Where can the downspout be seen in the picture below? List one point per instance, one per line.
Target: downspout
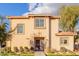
(49, 34)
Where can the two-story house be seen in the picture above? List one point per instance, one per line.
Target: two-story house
(40, 32)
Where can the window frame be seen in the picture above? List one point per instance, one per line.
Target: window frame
(38, 27)
(62, 40)
(23, 28)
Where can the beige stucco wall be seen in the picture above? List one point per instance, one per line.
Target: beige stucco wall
(19, 39)
(54, 30)
(44, 32)
(30, 32)
(69, 45)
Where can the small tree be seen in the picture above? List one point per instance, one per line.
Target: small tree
(3, 34)
(69, 16)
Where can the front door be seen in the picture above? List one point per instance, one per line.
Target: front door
(39, 44)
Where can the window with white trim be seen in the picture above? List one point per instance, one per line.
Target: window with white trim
(39, 22)
(20, 28)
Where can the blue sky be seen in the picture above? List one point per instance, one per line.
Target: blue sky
(13, 9)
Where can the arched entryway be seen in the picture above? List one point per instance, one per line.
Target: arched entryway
(39, 43)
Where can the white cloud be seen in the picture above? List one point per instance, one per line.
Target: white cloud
(40, 8)
(45, 8)
(32, 6)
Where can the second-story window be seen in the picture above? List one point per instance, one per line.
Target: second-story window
(20, 28)
(39, 22)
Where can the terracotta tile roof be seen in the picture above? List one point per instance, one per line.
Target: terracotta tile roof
(39, 15)
(66, 34)
(32, 15)
(54, 17)
(16, 17)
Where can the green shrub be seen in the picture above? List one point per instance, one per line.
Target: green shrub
(15, 54)
(16, 49)
(26, 49)
(63, 49)
(7, 49)
(8, 52)
(21, 49)
(53, 51)
(32, 48)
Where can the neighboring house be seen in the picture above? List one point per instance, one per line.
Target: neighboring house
(40, 32)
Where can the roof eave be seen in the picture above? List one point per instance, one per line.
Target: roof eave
(32, 15)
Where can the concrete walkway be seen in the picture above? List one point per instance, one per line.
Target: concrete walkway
(39, 53)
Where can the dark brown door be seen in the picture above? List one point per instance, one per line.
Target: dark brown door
(39, 44)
